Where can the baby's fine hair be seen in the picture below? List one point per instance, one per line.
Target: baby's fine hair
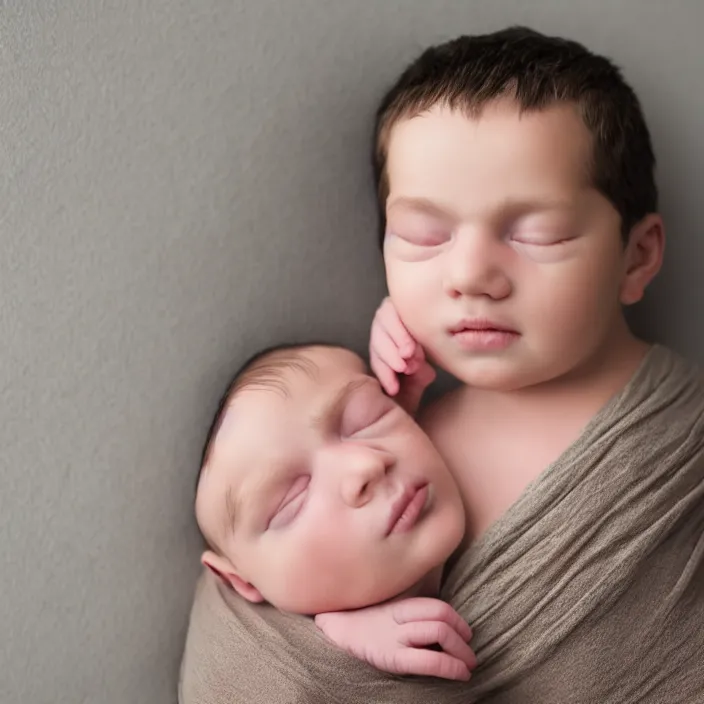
(264, 369)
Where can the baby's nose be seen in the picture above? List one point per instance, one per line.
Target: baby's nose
(363, 470)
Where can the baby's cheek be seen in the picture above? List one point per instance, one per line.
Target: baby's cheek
(288, 579)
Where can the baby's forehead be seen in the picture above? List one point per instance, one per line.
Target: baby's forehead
(262, 425)
(287, 386)
(300, 372)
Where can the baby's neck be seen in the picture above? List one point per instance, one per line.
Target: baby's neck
(429, 586)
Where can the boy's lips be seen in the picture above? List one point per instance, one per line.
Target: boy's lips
(483, 335)
(407, 508)
(480, 325)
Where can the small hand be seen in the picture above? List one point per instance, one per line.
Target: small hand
(395, 637)
(392, 353)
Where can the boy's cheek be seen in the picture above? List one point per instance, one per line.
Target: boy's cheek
(410, 284)
(400, 251)
(409, 306)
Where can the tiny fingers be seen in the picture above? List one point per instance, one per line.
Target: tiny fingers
(429, 663)
(388, 318)
(384, 373)
(428, 609)
(386, 349)
(425, 633)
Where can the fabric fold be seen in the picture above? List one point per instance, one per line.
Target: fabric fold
(589, 589)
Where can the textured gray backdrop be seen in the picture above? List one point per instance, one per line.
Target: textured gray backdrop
(182, 182)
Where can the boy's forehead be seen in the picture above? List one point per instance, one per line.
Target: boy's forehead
(501, 147)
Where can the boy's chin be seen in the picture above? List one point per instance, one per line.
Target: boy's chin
(494, 375)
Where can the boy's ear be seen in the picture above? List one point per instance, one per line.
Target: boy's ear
(644, 255)
(222, 568)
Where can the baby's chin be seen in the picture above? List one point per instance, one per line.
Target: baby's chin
(307, 604)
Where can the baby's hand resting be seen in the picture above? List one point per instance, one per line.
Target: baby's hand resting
(395, 636)
(393, 352)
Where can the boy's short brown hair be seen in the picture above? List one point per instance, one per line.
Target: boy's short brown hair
(537, 71)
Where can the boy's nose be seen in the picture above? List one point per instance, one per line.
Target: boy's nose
(362, 469)
(474, 268)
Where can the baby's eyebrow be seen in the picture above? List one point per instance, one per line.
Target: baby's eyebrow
(231, 510)
(235, 511)
(334, 407)
(244, 505)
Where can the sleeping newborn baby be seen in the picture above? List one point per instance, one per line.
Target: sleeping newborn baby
(320, 495)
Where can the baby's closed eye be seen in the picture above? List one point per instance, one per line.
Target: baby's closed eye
(291, 504)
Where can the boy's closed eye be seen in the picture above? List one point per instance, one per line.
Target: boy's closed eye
(421, 236)
(541, 238)
(419, 226)
(542, 229)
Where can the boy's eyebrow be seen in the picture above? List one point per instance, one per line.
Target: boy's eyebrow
(334, 407)
(537, 203)
(508, 205)
(416, 203)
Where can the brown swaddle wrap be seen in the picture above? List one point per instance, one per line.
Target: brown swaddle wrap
(589, 589)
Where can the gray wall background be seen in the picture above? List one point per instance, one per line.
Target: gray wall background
(183, 182)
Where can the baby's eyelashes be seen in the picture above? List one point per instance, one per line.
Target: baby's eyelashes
(291, 504)
(364, 411)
